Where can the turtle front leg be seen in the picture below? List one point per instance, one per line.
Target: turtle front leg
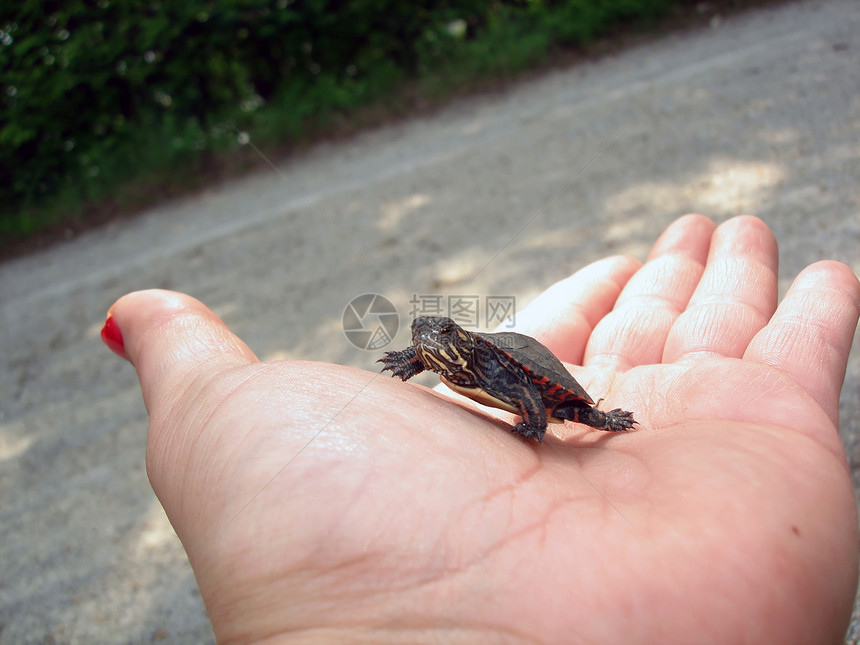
(616, 420)
(405, 364)
(533, 412)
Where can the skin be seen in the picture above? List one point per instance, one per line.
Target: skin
(320, 503)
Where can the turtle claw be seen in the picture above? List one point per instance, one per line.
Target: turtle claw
(392, 366)
(618, 420)
(528, 432)
(403, 364)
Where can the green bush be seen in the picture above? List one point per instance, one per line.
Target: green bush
(95, 93)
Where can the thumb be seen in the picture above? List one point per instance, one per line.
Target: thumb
(171, 339)
(187, 361)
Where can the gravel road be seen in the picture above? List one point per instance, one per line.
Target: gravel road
(498, 195)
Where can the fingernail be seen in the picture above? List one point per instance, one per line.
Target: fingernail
(112, 337)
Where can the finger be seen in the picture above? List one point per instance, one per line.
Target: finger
(687, 237)
(809, 337)
(735, 297)
(173, 339)
(636, 330)
(563, 316)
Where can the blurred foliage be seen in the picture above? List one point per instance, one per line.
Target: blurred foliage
(96, 93)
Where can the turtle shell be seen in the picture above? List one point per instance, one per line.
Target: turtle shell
(553, 381)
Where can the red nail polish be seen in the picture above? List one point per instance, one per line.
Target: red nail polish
(112, 337)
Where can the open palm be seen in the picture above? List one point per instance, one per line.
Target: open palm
(323, 503)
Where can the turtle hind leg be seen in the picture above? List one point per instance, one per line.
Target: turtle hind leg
(616, 420)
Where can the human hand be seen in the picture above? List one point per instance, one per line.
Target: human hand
(323, 503)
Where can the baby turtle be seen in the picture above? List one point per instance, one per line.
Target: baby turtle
(505, 370)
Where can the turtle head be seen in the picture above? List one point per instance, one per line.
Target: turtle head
(441, 344)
